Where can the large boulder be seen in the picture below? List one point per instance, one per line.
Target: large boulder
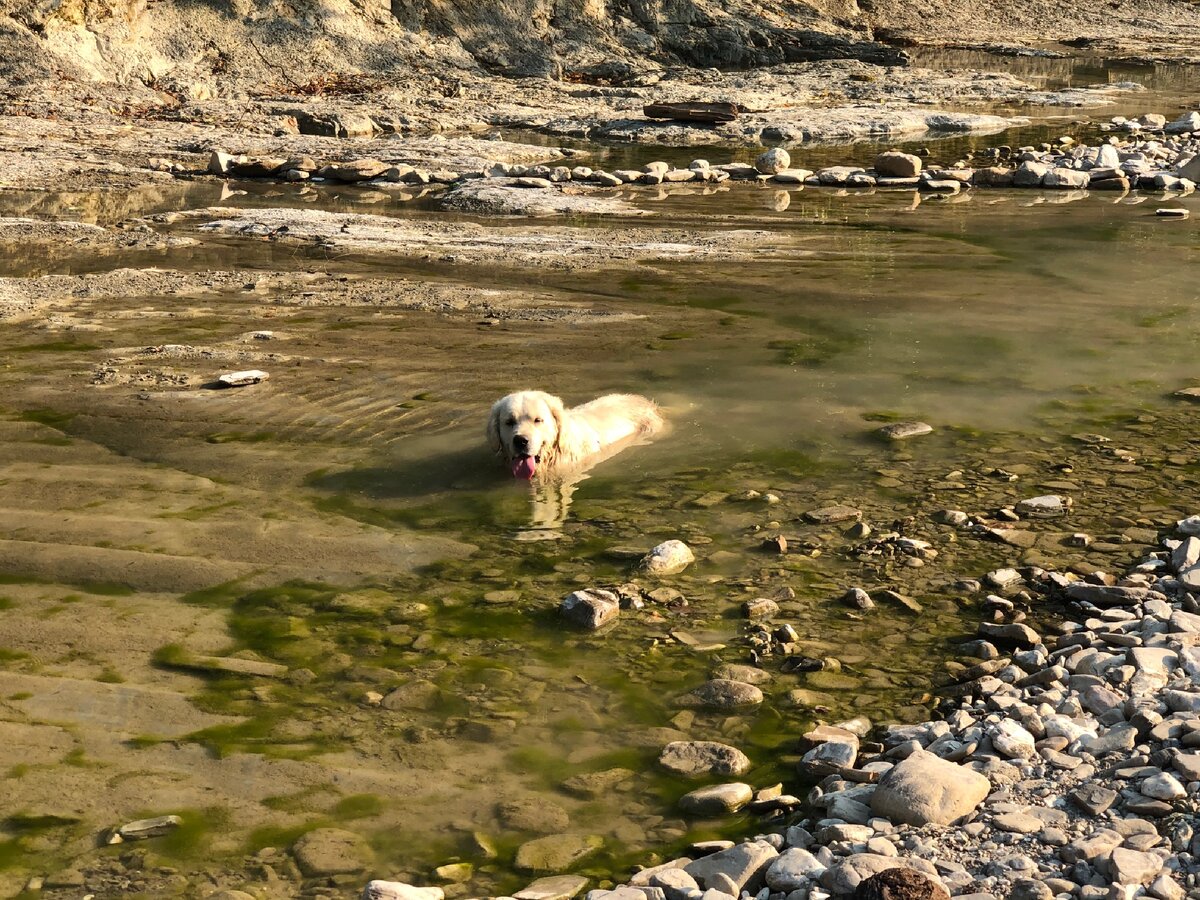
(925, 789)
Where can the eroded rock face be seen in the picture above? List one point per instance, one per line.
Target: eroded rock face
(531, 38)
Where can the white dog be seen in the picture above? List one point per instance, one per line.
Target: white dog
(535, 434)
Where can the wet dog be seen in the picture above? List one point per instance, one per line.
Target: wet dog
(537, 437)
(535, 434)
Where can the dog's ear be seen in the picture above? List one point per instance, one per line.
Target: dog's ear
(556, 409)
(493, 427)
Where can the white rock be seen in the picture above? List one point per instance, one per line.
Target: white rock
(590, 609)
(773, 161)
(398, 890)
(793, 869)
(241, 379)
(1012, 740)
(1163, 786)
(668, 558)
(1049, 506)
(1189, 121)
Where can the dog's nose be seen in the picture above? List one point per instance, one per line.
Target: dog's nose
(520, 442)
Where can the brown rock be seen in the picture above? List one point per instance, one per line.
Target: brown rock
(900, 884)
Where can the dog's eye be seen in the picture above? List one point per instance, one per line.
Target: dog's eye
(537, 421)
(511, 422)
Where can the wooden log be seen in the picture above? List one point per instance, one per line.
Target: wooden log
(692, 112)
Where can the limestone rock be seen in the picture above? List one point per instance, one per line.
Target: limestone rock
(745, 865)
(555, 853)
(668, 558)
(241, 379)
(894, 164)
(331, 851)
(723, 694)
(697, 758)
(1134, 867)
(719, 799)
(554, 887)
(899, 431)
(844, 878)
(398, 890)
(793, 869)
(773, 161)
(924, 789)
(590, 609)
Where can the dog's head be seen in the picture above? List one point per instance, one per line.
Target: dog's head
(524, 428)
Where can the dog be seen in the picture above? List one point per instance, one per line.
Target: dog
(535, 434)
(540, 439)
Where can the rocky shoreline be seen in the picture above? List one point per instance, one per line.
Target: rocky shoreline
(1062, 765)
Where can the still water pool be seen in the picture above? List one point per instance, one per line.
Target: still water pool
(341, 534)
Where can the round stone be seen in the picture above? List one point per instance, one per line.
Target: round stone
(773, 161)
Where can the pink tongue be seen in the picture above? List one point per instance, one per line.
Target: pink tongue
(524, 467)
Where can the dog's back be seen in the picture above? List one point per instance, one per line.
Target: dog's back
(616, 417)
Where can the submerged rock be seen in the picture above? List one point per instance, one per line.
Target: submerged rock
(899, 431)
(555, 853)
(668, 558)
(697, 758)
(590, 609)
(716, 800)
(332, 851)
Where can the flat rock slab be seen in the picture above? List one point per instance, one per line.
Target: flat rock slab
(332, 851)
(398, 890)
(555, 887)
(723, 694)
(532, 197)
(719, 799)
(829, 515)
(148, 828)
(555, 853)
(745, 865)
(697, 758)
(242, 379)
(899, 431)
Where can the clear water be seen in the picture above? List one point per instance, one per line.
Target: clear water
(344, 519)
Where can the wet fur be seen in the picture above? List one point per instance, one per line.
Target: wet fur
(570, 439)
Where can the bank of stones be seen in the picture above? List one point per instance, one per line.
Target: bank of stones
(1062, 765)
(1146, 153)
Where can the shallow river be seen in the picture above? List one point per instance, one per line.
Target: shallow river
(345, 522)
